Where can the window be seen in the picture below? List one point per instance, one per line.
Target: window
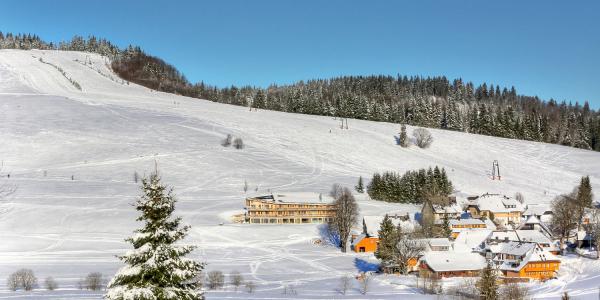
(361, 249)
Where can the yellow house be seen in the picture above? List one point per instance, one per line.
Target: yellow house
(525, 260)
(499, 208)
(290, 208)
(465, 224)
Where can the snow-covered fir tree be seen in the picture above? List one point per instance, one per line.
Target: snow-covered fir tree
(157, 267)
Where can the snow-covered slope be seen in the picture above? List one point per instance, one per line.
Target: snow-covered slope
(73, 153)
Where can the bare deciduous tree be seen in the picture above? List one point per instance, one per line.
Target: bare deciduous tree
(236, 279)
(238, 143)
(423, 137)
(562, 219)
(250, 286)
(513, 291)
(50, 284)
(289, 290)
(94, 281)
(22, 279)
(346, 214)
(216, 280)
(407, 249)
(12, 282)
(519, 197)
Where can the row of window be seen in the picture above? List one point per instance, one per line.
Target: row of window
(288, 220)
(290, 213)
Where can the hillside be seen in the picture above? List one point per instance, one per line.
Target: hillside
(72, 155)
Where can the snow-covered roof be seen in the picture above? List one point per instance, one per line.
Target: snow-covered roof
(512, 248)
(535, 224)
(435, 242)
(448, 209)
(532, 220)
(533, 236)
(471, 239)
(471, 221)
(497, 203)
(297, 197)
(441, 261)
(490, 224)
(533, 254)
(358, 239)
(537, 210)
(372, 224)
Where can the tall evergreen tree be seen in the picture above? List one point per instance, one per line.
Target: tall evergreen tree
(360, 186)
(388, 238)
(446, 226)
(403, 138)
(584, 198)
(157, 267)
(487, 284)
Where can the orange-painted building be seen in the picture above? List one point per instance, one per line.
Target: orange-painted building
(369, 239)
(525, 260)
(365, 244)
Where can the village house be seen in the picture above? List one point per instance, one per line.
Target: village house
(541, 211)
(524, 261)
(452, 264)
(441, 212)
(290, 208)
(533, 236)
(501, 209)
(460, 225)
(534, 223)
(429, 245)
(369, 238)
(471, 240)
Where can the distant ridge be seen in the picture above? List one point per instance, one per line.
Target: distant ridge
(434, 102)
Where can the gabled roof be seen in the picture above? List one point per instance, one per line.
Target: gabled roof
(497, 203)
(434, 242)
(537, 210)
(534, 236)
(358, 239)
(448, 209)
(442, 261)
(512, 248)
(534, 221)
(471, 240)
(534, 254)
(466, 222)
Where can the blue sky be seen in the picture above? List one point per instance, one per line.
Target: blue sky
(544, 48)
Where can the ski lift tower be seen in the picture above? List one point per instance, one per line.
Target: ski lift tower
(496, 170)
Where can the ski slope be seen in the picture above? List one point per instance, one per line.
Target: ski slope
(72, 155)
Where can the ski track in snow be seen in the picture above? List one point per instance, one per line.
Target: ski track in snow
(67, 228)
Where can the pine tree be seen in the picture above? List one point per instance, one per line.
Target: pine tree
(446, 226)
(403, 139)
(584, 198)
(360, 186)
(156, 268)
(488, 287)
(388, 238)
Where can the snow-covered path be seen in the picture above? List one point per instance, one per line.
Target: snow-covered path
(72, 154)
